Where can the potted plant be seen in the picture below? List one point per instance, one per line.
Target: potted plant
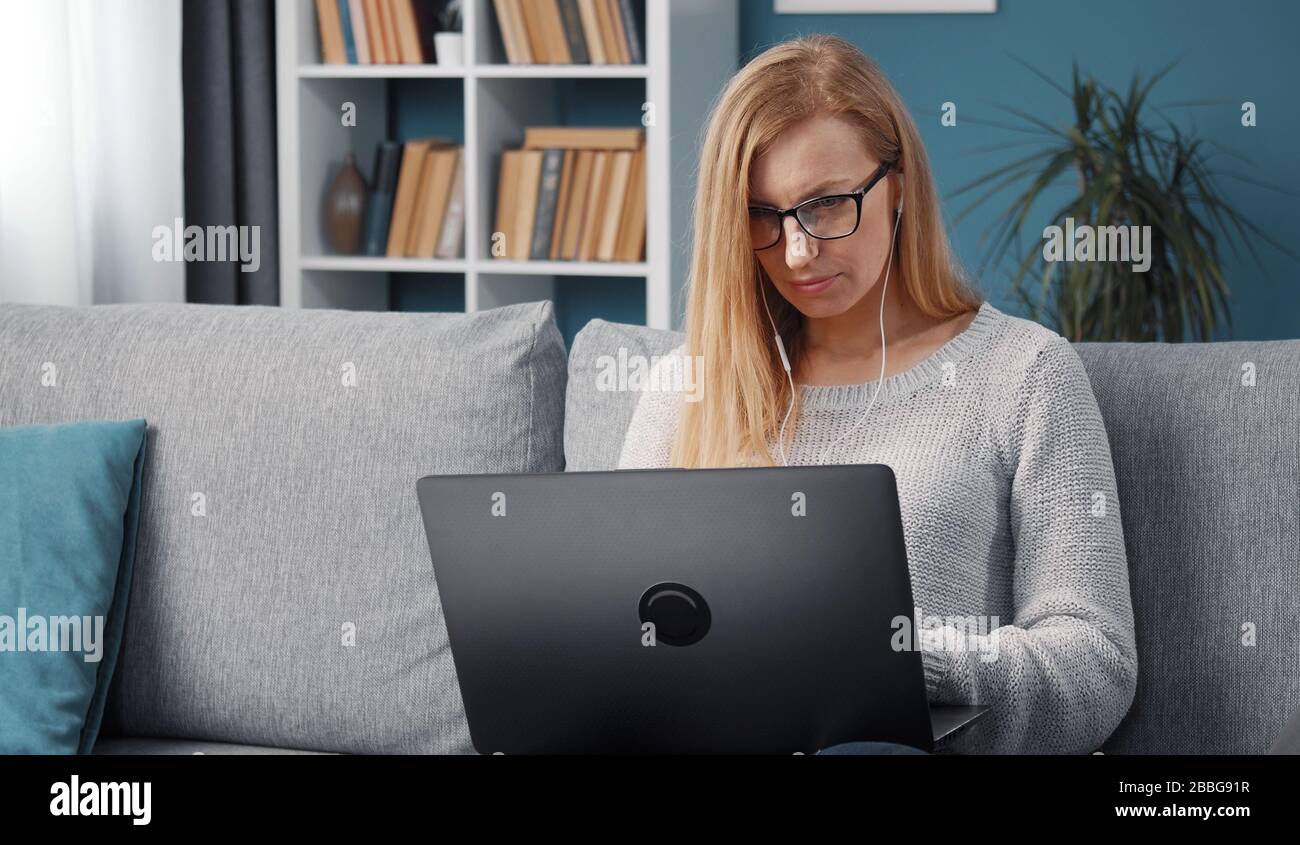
(449, 41)
(1153, 183)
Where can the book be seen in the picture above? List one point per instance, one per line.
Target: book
(360, 31)
(349, 41)
(379, 210)
(557, 46)
(562, 204)
(332, 48)
(509, 38)
(408, 189)
(547, 198)
(439, 169)
(620, 170)
(388, 34)
(593, 214)
(530, 180)
(374, 32)
(591, 31)
(604, 12)
(530, 15)
(420, 204)
(516, 8)
(507, 189)
(620, 36)
(631, 235)
(578, 197)
(632, 34)
(573, 34)
(584, 138)
(408, 32)
(453, 227)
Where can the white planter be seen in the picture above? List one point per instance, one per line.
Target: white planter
(449, 47)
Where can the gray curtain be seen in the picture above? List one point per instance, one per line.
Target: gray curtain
(228, 88)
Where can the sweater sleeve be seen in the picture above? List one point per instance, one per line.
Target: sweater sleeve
(648, 442)
(1062, 674)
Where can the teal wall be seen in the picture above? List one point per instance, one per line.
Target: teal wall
(1230, 51)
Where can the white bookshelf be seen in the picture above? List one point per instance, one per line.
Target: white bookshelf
(690, 51)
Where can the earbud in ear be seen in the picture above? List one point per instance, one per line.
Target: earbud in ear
(899, 210)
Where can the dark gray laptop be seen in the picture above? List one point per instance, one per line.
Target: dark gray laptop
(743, 610)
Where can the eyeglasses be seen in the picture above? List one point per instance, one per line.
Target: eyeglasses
(824, 218)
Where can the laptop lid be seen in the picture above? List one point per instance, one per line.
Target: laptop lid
(677, 611)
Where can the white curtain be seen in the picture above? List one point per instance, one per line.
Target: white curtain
(90, 149)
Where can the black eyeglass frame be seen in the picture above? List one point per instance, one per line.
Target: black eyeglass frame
(855, 195)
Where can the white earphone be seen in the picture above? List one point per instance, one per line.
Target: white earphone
(785, 359)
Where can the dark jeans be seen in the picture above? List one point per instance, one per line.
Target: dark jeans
(871, 748)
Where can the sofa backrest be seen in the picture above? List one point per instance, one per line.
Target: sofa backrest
(283, 593)
(1208, 472)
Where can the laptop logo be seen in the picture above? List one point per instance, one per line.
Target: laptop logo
(673, 614)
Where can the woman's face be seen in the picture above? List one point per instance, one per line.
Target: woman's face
(824, 155)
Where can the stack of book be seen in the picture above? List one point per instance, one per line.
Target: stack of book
(564, 32)
(573, 194)
(417, 206)
(376, 32)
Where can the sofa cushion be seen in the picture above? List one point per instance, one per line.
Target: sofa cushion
(283, 593)
(69, 516)
(596, 419)
(1208, 472)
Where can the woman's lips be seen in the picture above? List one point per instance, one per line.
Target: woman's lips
(815, 285)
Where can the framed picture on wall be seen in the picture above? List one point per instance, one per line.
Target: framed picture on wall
(805, 7)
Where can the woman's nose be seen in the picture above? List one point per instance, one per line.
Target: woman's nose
(799, 248)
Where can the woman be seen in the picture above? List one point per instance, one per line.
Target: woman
(834, 327)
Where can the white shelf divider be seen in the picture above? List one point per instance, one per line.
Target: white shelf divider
(690, 51)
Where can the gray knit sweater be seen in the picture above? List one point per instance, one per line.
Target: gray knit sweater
(1009, 509)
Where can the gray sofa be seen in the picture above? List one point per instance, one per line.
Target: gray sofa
(283, 597)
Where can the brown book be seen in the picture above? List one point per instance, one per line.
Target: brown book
(333, 50)
(615, 196)
(515, 7)
(387, 33)
(620, 33)
(562, 204)
(439, 167)
(408, 190)
(530, 12)
(557, 45)
(594, 214)
(373, 33)
(418, 205)
(507, 191)
(508, 37)
(408, 32)
(530, 182)
(631, 234)
(584, 138)
(576, 212)
(591, 32)
(604, 10)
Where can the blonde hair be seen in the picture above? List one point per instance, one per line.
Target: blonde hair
(745, 391)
